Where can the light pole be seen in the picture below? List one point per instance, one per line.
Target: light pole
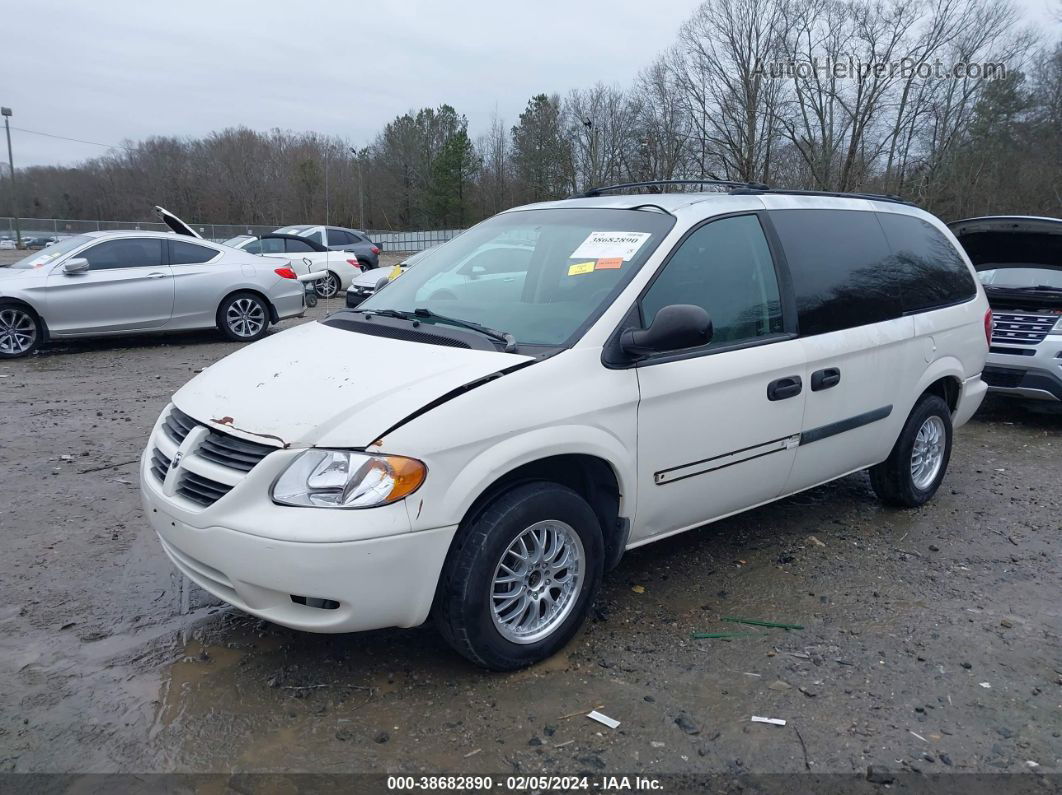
(11, 164)
(361, 195)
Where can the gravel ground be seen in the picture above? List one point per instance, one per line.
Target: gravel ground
(931, 638)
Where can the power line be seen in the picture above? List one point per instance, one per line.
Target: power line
(75, 140)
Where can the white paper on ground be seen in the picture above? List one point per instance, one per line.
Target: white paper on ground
(772, 721)
(610, 722)
(607, 245)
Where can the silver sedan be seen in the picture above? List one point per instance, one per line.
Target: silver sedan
(110, 283)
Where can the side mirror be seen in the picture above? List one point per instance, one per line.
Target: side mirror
(76, 265)
(381, 283)
(675, 327)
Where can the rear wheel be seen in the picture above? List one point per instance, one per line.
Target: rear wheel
(915, 468)
(521, 577)
(328, 287)
(243, 317)
(20, 330)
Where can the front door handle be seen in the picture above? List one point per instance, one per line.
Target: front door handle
(156, 275)
(783, 388)
(824, 379)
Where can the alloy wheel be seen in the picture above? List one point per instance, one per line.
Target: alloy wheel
(927, 453)
(245, 317)
(536, 583)
(327, 287)
(18, 331)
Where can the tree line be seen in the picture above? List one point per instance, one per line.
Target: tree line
(833, 95)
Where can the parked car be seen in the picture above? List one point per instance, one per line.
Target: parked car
(7, 244)
(39, 241)
(108, 283)
(341, 266)
(337, 238)
(484, 457)
(1019, 261)
(364, 285)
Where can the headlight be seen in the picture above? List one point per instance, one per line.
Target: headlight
(1057, 327)
(344, 479)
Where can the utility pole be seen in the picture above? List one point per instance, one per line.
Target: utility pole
(11, 164)
(361, 190)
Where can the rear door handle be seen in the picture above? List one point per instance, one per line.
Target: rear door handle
(156, 275)
(783, 388)
(824, 379)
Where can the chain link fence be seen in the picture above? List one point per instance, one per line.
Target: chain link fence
(45, 229)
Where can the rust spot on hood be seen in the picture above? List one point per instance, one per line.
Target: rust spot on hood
(229, 421)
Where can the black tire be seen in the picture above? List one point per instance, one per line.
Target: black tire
(17, 323)
(328, 287)
(893, 480)
(463, 611)
(366, 265)
(257, 308)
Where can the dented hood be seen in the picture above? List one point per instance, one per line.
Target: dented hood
(319, 385)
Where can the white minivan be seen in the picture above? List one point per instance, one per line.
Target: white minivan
(660, 361)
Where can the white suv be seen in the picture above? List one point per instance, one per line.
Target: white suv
(486, 453)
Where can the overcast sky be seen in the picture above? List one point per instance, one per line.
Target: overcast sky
(126, 69)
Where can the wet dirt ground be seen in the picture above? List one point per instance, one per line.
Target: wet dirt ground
(931, 640)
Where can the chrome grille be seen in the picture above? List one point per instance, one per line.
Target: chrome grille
(1020, 328)
(232, 452)
(159, 464)
(201, 490)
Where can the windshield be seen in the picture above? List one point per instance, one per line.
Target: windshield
(41, 258)
(1022, 277)
(536, 274)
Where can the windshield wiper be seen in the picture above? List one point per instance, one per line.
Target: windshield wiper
(421, 312)
(1035, 288)
(501, 336)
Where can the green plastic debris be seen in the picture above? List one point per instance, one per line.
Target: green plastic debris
(704, 635)
(756, 623)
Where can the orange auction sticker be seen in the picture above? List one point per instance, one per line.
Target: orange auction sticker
(609, 263)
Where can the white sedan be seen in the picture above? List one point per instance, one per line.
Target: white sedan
(342, 266)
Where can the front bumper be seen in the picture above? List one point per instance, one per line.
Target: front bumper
(1036, 377)
(246, 550)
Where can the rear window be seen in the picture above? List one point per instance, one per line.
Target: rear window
(841, 269)
(928, 269)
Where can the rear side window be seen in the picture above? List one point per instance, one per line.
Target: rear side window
(725, 267)
(337, 237)
(271, 245)
(841, 268)
(144, 252)
(297, 246)
(929, 270)
(182, 253)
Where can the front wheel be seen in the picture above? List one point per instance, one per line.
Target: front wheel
(328, 287)
(20, 331)
(915, 468)
(243, 317)
(521, 577)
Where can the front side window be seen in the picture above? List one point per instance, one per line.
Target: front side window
(726, 268)
(842, 269)
(182, 253)
(540, 275)
(929, 270)
(143, 252)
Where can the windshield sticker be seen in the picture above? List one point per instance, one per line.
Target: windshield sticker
(581, 267)
(609, 263)
(610, 245)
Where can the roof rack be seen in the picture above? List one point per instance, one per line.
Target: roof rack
(726, 183)
(748, 189)
(878, 197)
